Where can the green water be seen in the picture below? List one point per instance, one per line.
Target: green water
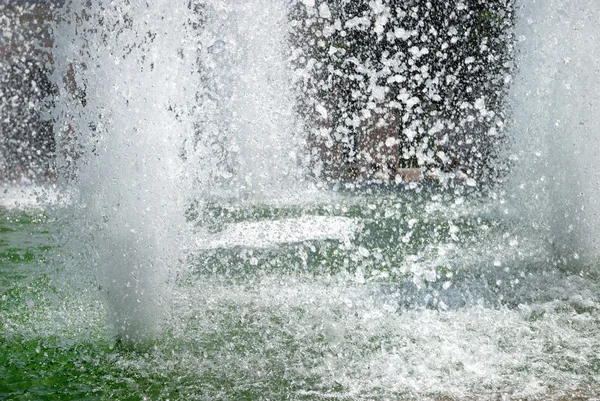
(440, 297)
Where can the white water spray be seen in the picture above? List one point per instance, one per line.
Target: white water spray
(249, 137)
(556, 107)
(281, 333)
(126, 72)
(157, 98)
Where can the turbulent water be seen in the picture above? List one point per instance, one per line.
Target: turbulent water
(248, 138)
(185, 258)
(122, 122)
(555, 102)
(430, 295)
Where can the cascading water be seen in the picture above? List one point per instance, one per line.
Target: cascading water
(147, 133)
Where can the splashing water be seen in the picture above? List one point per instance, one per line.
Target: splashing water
(128, 84)
(178, 134)
(248, 137)
(163, 108)
(557, 133)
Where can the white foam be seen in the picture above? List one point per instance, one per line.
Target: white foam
(16, 197)
(273, 233)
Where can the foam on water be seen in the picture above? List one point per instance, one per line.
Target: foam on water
(29, 197)
(506, 323)
(270, 233)
(337, 335)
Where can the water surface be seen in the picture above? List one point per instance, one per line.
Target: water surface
(428, 295)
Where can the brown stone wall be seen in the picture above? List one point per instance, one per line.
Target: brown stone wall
(378, 149)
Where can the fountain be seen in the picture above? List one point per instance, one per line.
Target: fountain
(122, 119)
(247, 135)
(223, 231)
(554, 106)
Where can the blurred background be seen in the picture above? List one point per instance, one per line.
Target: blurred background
(26, 133)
